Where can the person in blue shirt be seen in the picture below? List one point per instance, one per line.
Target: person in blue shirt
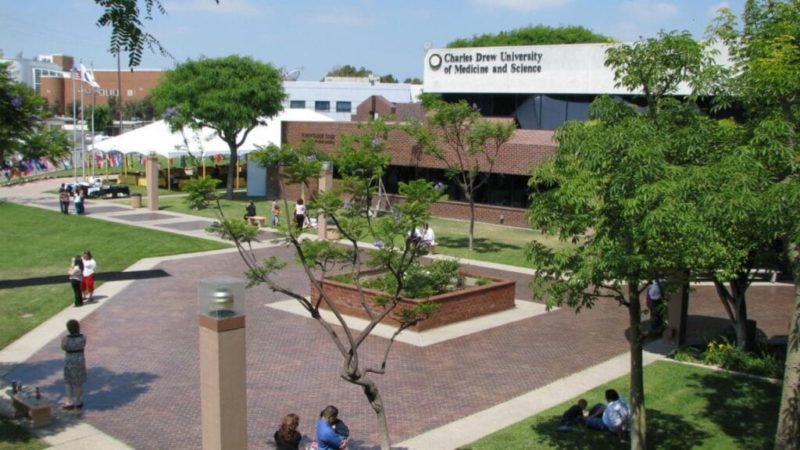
(332, 433)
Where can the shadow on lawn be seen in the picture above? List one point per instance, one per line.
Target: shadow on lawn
(744, 408)
(664, 431)
(481, 245)
(101, 276)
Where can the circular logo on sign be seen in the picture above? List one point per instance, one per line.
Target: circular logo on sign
(435, 61)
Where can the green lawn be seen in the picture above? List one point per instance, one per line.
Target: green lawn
(687, 407)
(39, 244)
(493, 243)
(13, 437)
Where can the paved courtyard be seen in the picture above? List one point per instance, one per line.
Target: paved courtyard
(143, 356)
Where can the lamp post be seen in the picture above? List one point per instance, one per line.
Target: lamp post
(325, 184)
(223, 393)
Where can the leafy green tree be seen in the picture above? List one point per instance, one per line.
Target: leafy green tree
(102, 119)
(766, 79)
(466, 143)
(361, 159)
(230, 95)
(349, 71)
(616, 188)
(412, 81)
(139, 109)
(23, 130)
(388, 79)
(533, 35)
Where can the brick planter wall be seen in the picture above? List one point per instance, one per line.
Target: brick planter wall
(454, 306)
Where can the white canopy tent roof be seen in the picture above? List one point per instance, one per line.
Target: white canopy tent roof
(159, 139)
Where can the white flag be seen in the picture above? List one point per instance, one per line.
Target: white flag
(88, 76)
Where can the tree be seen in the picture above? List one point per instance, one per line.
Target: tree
(766, 80)
(230, 95)
(360, 160)
(139, 109)
(466, 143)
(349, 71)
(412, 81)
(533, 35)
(23, 130)
(616, 190)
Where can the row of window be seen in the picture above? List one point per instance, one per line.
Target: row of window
(322, 106)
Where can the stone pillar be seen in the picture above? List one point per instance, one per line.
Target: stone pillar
(151, 175)
(325, 184)
(223, 383)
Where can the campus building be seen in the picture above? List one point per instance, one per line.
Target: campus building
(539, 88)
(334, 97)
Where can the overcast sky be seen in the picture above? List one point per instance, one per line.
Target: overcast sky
(386, 36)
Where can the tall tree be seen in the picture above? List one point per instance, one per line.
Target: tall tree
(462, 140)
(611, 190)
(766, 80)
(360, 160)
(230, 95)
(533, 35)
(23, 130)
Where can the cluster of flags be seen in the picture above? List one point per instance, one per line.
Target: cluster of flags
(81, 73)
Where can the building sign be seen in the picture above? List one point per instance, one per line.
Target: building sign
(459, 62)
(525, 69)
(319, 138)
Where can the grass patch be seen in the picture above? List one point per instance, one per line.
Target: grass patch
(493, 243)
(38, 245)
(14, 437)
(686, 407)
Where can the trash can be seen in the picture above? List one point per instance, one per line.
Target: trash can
(136, 200)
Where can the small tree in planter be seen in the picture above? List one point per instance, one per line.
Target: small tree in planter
(361, 161)
(200, 191)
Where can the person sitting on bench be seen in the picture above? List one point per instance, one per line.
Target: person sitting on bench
(250, 210)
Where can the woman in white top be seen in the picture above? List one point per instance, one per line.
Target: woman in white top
(89, 266)
(300, 213)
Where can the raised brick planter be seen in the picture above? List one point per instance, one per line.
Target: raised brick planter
(456, 306)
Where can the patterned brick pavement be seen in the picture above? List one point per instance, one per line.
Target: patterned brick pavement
(143, 376)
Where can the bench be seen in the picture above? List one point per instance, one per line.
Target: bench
(258, 221)
(39, 410)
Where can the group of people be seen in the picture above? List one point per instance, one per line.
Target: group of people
(250, 211)
(81, 277)
(67, 196)
(332, 433)
(613, 416)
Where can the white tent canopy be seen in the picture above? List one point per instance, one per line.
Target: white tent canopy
(159, 139)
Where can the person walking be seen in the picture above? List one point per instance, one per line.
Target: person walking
(75, 274)
(78, 200)
(89, 266)
(300, 214)
(73, 345)
(64, 200)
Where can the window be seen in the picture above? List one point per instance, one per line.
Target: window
(297, 104)
(322, 106)
(130, 92)
(343, 107)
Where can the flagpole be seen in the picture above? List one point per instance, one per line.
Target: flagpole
(93, 162)
(74, 128)
(83, 130)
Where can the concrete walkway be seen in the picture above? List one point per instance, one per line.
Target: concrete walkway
(443, 359)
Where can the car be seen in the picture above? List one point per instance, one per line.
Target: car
(95, 188)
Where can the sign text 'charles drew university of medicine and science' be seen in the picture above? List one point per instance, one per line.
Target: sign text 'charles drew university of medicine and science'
(489, 61)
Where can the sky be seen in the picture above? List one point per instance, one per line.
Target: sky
(385, 36)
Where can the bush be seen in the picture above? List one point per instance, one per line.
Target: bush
(201, 191)
(419, 282)
(730, 357)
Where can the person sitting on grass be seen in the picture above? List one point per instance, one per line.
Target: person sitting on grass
(573, 416)
(614, 416)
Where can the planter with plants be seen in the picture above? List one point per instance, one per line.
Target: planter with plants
(458, 295)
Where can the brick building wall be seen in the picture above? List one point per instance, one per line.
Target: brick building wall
(135, 87)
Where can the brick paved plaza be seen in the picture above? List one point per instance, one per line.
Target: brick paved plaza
(143, 356)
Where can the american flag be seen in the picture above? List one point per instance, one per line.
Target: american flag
(76, 74)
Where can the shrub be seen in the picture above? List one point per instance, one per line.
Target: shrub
(200, 191)
(730, 357)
